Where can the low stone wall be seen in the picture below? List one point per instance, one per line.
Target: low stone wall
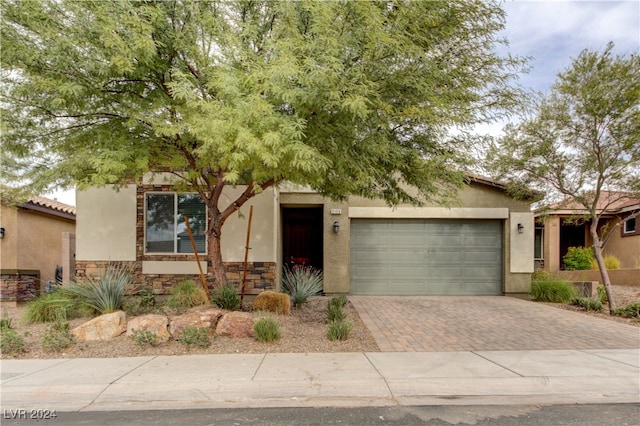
(617, 276)
(18, 287)
(260, 276)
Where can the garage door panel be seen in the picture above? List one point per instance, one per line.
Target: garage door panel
(429, 257)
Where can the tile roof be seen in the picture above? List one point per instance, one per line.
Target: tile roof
(50, 204)
(609, 201)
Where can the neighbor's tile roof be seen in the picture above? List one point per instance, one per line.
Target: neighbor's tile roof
(610, 201)
(50, 204)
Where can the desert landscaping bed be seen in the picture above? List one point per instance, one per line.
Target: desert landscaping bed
(303, 331)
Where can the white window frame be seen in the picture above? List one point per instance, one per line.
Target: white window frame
(635, 226)
(175, 225)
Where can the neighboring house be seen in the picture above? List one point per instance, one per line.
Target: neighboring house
(482, 246)
(35, 238)
(561, 226)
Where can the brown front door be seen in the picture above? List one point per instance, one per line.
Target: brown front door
(302, 236)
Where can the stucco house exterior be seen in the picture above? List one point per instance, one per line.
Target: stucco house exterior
(559, 227)
(483, 246)
(35, 238)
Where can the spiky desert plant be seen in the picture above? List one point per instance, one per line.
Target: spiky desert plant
(301, 282)
(106, 293)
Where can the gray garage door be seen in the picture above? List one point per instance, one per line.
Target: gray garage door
(426, 257)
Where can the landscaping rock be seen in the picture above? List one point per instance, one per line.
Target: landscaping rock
(104, 327)
(157, 324)
(236, 324)
(202, 318)
(272, 301)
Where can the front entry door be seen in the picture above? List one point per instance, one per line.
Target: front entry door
(302, 236)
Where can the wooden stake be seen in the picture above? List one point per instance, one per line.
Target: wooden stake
(246, 254)
(195, 251)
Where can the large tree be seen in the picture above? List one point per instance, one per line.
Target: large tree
(582, 142)
(348, 97)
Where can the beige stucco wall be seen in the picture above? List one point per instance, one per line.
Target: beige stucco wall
(33, 241)
(106, 223)
(626, 249)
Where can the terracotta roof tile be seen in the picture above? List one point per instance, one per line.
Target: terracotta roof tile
(52, 204)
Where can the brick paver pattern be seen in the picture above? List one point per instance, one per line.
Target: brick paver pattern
(487, 323)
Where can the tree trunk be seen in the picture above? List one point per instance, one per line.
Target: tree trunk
(215, 253)
(604, 274)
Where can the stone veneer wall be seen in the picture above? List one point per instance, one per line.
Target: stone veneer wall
(260, 275)
(18, 287)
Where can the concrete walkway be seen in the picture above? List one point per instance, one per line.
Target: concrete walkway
(450, 323)
(322, 380)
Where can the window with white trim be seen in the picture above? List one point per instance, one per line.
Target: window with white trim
(630, 226)
(165, 227)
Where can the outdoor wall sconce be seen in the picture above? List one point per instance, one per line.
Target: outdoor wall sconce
(1, 233)
(520, 228)
(336, 227)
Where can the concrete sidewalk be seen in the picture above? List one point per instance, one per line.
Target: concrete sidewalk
(323, 380)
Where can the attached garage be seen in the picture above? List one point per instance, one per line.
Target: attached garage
(426, 257)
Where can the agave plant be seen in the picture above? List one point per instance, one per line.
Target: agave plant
(106, 293)
(301, 282)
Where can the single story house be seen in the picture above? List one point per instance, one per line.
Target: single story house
(561, 226)
(36, 239)
(482, 246)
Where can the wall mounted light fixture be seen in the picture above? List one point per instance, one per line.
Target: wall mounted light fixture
(336, 227)
(520, 228)
(1, 233)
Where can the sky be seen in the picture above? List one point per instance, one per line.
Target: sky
(552, 33)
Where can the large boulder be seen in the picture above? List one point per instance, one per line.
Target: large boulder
(156, 324)
(272, 301)
(104, 327)
(201, 318)
(236, 324)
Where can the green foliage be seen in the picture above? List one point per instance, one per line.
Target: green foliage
(186, 295)
(195, 336)
(339, 330)
(578, 258)
(301, 282)
(106, 293)
(340, 301)
(57, 336)
(602, 294)
(50, 307)
(11, 342)
(589, 303)
(226, 297)
(335, 312)
(5, 320)
(144, 337)
(632, 310)
(267, 329)
(552, 290)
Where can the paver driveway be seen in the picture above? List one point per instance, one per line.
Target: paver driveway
(468, 323)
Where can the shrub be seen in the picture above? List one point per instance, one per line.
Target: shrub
(272, 301)
(610, 262)
(186, 295)
(106, 293)
(335, 312)
(50, 307)
(267, 329)
(340, 301)
(11, 342)
(142, 303)
(57, 336)
(5, 321)
(554, 290)
(144, 337)
(301, 282)
(632, 310)
(339, 330)
(226, 297)
(195, 336)
(578, 258)
(588, 303)
(602, 294)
